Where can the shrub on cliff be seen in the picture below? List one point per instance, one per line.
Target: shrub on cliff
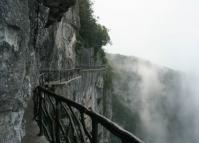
(92, 34)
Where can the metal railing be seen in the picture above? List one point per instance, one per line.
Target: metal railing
(47, 76)
(64, 121)
(84, 67)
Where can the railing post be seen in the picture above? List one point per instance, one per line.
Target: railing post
(48, 76)
(57, 119)
(67, 76)
(36, 102)
(43, 79)
(60, 76)
(40, 116)
(94, 131)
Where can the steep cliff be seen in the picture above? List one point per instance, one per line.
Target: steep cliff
(151, 101)
(34, 36)
(15, 54)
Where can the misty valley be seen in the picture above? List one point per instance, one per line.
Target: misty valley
(155, 103)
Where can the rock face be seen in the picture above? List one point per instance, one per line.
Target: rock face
(15, 85)
(153, 102)
(26, 47)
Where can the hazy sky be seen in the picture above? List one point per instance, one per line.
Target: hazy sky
(163, 31)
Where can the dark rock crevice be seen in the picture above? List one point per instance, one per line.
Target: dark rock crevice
(56, 9)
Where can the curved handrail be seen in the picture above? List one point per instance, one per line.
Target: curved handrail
(123, 135)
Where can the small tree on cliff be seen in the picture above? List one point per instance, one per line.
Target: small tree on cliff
(92, 34)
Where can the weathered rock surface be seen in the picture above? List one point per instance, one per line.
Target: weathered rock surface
(54, 49)
(26, 47)
(15, 85)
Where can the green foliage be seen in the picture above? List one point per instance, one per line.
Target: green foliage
(92, 34)
(124, 116)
